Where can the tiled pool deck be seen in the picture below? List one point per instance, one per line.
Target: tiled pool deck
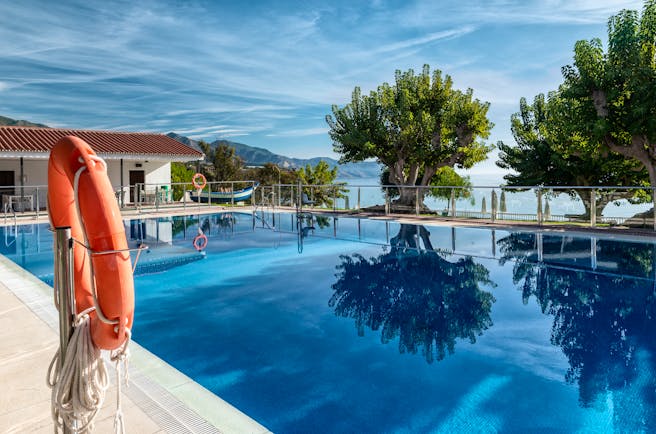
(159, 399)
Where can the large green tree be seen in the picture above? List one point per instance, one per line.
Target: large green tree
(610, 97)
(181, 174)
(225, 165)
(322, 179)
(413, 127)
(544, 156)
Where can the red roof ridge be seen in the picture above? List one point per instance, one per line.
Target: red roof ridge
(28, 127)
(19, 138)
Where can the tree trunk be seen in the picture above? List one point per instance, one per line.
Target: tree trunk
(600, 203)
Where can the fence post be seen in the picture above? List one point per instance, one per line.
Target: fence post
(493, 211)
(539, 210)
(64, 290)
(38, 205)
(387, 201)
(157, 198)
(359, 201)
(593, 207)
(416, 200)
(453, 202)
(653, 201)
(334, 199)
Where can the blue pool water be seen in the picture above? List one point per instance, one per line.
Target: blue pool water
(373, 326)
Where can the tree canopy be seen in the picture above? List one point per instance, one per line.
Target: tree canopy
(413, 127)
(225, 164)
(321, 174)
(543, 155)
(608, 99)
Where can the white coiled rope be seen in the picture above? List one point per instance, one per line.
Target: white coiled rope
(78, 388)
(80, 385)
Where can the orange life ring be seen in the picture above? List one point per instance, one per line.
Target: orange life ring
(203, 181)
(200, 242)
(72, 161)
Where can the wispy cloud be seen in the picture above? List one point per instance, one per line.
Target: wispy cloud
(409, 43)
(209, 69)
(299, 133)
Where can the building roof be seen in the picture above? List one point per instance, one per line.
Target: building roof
(34, 142)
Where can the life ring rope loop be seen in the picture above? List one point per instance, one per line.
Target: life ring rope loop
(195, 181)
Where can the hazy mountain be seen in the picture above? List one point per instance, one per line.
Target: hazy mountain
(254, 156)
(5, 121)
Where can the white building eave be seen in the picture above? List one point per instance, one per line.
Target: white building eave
(107, 156)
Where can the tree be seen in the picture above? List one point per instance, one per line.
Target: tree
(270, 174)
(610, 98)
(321, 175)
(444, 177)
(225, 164)
(413, 127)
(180, 173)
(543, 155)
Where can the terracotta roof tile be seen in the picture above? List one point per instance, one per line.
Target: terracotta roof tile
(30, 139)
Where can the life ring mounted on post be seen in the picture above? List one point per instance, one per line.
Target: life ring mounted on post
(80, 196)
(199, 181)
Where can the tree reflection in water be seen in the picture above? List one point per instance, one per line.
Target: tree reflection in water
(604, 322)
(415, 294)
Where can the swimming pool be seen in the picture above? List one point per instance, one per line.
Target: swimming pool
(353, 325)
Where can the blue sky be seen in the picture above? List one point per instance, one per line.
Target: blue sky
(267, 73)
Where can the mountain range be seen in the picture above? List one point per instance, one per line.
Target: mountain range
(5, 121)
(254, 156)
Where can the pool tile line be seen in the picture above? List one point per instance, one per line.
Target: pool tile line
(171, 399)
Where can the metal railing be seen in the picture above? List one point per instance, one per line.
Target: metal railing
(597, 206)
(543, 205)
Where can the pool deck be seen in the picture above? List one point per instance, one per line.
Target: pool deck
(159, 399)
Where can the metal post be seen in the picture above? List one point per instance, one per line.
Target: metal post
(416, 200)
(453, 202)
(38, 205)
(539, 210)
(334, 199)
(157, 198)
(299, 196)
(387, 201)
(359, 201)
(64, 290)
(493, 214)
(122, 187)
(653, 201)
(593, 207)
(232, 191)
(312, 196)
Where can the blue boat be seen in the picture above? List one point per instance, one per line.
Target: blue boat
(224, 196)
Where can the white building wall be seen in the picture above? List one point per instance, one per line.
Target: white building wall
(36, 175)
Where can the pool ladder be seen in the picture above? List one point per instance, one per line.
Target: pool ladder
(266, 203)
